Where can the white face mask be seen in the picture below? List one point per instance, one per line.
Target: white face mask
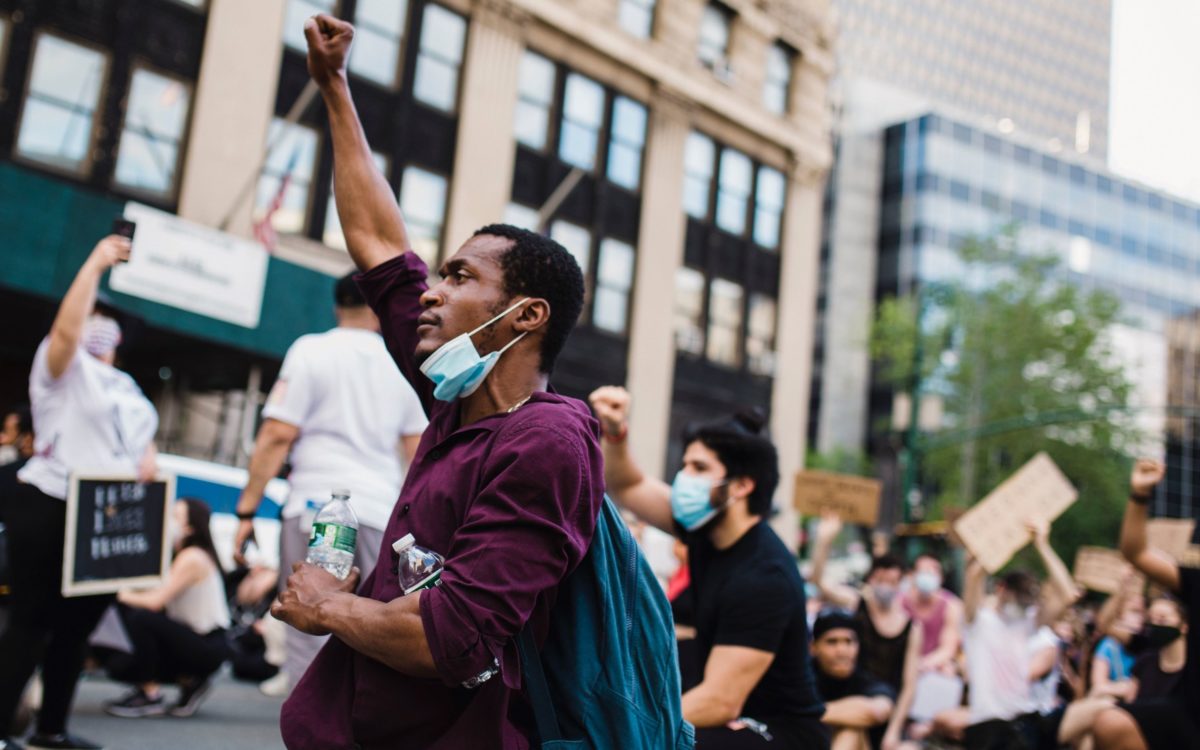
(8, 454)
(1012, 611)
(100, 336)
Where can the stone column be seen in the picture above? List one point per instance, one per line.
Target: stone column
(659, 254)
(231, 110)
(486, 151)
(799, 266)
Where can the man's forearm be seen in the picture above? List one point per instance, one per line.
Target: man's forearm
(269, 455)
(857, 712)
(1133, 530)
(369, 215)
(389, 632)
(620, 471)
(706, 706)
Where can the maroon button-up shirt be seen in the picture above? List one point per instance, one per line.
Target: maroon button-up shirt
(511, 502)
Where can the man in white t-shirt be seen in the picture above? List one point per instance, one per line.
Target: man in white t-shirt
(345, 413)
(1000, 661)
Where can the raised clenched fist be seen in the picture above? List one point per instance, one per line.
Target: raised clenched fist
(329, 41)
(1147, 473)
(611, 403)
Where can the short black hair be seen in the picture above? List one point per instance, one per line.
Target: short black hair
(835, 619)
(536, 266)
(346, 292)
(1023, 585)
(740, 444)
(24, 418)
(885, 562)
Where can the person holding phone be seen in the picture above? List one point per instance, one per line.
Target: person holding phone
(88, 416)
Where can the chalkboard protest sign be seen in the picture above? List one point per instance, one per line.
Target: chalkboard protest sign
(116, 533)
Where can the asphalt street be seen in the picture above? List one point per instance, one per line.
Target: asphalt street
(235, 716)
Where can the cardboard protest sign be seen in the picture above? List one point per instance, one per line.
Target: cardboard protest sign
(1102, 569)
(993, 530)
(1171, 535)
(116, 534)
(853, 499)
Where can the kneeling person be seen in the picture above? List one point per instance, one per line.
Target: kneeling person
(858, 705)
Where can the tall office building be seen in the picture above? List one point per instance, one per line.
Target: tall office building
(946, 179)
(698, 129)
(1037, 70)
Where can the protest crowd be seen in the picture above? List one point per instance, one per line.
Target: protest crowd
(433, 407)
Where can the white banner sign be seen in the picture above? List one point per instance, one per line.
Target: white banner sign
(193, 267)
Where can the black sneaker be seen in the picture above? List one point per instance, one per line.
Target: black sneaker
(60, 742)
(191, 696)
(136, 705)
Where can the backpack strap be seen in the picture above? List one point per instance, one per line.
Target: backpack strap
(538, 689)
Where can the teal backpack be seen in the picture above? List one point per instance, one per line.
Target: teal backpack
(609, 660)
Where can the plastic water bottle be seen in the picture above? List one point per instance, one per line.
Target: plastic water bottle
(417, 568)
(334, 536)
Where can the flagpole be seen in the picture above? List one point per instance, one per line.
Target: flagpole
(294, 114)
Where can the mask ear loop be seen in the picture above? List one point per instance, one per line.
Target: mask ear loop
(514, 306)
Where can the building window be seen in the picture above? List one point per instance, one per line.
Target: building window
(583, 112)
(768, 207)
(296, 13)
(613, 282)
(778, 78)
(725, 323)
(733, 191)
(423, 203)
(636, 17)
(442, 36)
(760, 339)
(378, 40)
(698, 156)
(625, 148)
(332, 235)
(535, 95)
(521, 216)
(577, 241)
(58, 120)
(286, 181)
(713, 40)
(689, 311)
(155, 119)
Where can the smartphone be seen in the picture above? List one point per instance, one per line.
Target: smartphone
(123, 227)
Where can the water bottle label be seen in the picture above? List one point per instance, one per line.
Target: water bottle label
(333, 535)
(431, 580)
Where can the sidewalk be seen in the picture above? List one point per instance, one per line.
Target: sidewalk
(235, 716)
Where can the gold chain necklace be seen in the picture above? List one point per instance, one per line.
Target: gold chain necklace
(519, 404)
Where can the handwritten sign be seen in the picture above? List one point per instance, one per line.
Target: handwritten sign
(116, 534)
(994, 529)
(854, 499)
(1102, 569)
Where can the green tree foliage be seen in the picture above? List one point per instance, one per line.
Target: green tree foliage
(1008, 347)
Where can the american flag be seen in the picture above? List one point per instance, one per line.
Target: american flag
(264, 232)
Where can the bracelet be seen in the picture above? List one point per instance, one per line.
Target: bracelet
(1137, 499)
(619, 437)
(246, 516)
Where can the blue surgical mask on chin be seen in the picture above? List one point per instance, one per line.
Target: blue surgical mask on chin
(691, 500)
(456, 368)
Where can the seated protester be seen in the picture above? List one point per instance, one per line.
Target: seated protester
(751, 632)
(938, 613)
(999, 630)
(857, 705)
(1172, 722)
(890, 645)
(1120, 620)
(178, 629)
(1158, 672)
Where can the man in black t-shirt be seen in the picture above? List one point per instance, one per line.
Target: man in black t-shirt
(757, 689)
(1173, 722)
(856, 702)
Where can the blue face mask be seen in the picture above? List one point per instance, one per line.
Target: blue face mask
(456, 368)
(691, 500)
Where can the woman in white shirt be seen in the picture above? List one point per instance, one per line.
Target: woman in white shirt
(177, 630)
(90, 418)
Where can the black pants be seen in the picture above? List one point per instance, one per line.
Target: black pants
(43, 627)
(164, 650)
(798, 734)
